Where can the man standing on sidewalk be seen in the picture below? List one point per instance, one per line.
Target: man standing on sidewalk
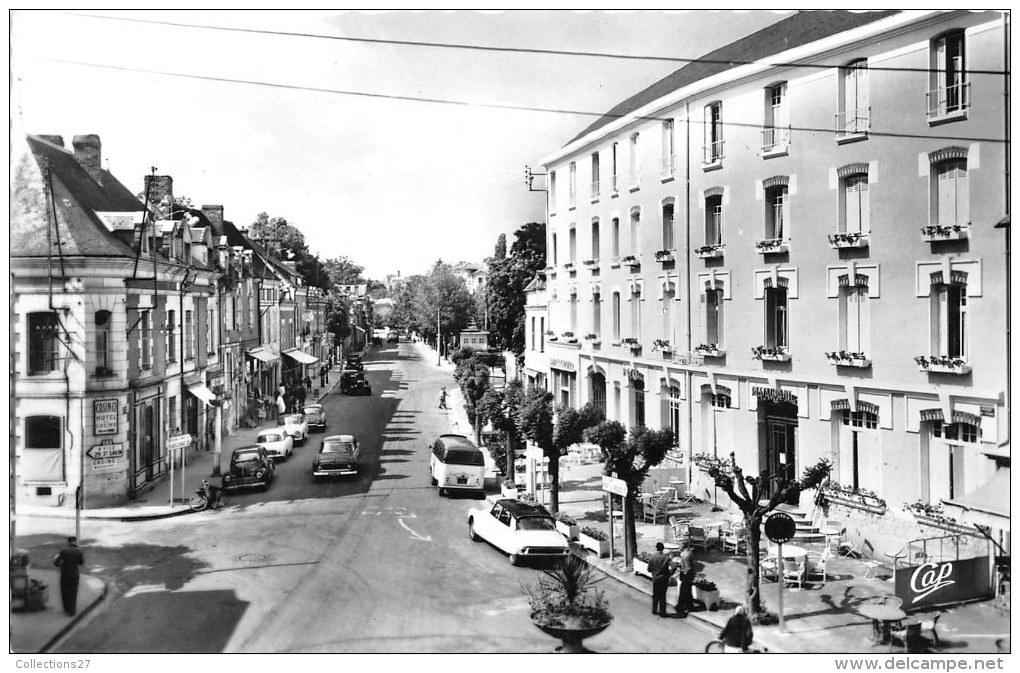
(660, 570)
(69, 561)
(442, 398)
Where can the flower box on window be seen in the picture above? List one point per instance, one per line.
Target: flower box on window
(847, 359)
(662, 345)
(857, 498)
(770, 246)
(593, 339)
(942, 364)
(854, 239)
(569, 337)
(772, 354)
(709, 351)
(664, 256)
(632, 343)
(569, 266)
(945, 232)
(710, 251)
(590, 263)
(631, 261)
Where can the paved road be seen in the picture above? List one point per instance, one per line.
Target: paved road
(377, 564)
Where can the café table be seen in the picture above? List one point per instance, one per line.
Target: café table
(790, 551)
(884, 614)
(712, 528)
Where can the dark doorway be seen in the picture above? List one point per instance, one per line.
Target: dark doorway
(780, 446)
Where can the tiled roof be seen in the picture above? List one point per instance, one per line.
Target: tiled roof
(794, 31)
(76, 197)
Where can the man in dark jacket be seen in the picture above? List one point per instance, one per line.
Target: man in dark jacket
(685, 599)
(69, 561)
(737, 634)
(660, 570)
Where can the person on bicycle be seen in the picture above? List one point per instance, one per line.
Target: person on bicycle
(737, 634)
(212, 493)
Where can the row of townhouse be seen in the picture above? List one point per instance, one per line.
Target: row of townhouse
(133, 321)
(793, 249)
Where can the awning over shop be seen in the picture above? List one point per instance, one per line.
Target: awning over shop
(300, 356)
(987, 505)
(201, 392)
(263, 354)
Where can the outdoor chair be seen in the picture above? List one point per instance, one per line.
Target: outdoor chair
(816, 564)
(833, 540)
(655, 510)
(734, 536)
(908, 636)
(697, 536)
(793, 572)
(680, 531)
(768, 568)
(931, 626)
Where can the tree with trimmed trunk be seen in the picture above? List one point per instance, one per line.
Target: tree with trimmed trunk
(630, 458)
(501, 407)
(747, 493)
(535, 423)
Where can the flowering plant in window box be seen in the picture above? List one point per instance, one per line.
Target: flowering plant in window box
(848, 359)
(664, 256)
(945, 232)
(850, 239)
(853, 496)
(706, 462)
(942, 364)
(591, 263)
(709, 350)
(595, 339)
(928, 511)
(772, 245)
(780, 354)
(630, 260)
(661, 345)
(569, 336)
(569, 266)
(710, 251)
(631, 343)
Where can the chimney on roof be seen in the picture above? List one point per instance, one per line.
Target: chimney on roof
(215, 215)
(88, 152)
(56, 140)
(160, 189)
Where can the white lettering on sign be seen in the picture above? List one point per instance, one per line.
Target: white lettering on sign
(614, 485)
(105, 417)
(104, 463)
(556, 363)
(105, 451)
(924, 582)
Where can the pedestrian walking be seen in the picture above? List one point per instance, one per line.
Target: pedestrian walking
(685, 601)
(69, 560)
(281, 405)
(300, 399)
(323, 376)
(660, 569)
(442, 398)
(308, 382)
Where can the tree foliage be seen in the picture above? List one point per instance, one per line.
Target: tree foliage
(286, 240)
(441, 293)
(501, 408)
(343, 271)
(472, 374)
(504, 289)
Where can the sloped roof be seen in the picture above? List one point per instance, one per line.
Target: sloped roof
(76, 199)
(794, 31)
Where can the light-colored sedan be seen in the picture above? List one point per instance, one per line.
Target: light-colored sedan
(525, 531)
(296, 426)
(277, 443)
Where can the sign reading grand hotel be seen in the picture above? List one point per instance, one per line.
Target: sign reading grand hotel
(774, 395)
(105, 417)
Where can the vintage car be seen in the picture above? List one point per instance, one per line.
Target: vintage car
(360, 387)
(338, 457)
(277, 443)
(295, 426)
(315, 416)
(393, 337)
(525, 531)
(354, 363)
(351, 381)
(249, 466)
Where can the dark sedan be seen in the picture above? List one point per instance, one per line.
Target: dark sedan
(315, 416)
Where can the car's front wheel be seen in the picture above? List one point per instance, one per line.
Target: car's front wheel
(515, 559)
(471, 531)
(442, 492)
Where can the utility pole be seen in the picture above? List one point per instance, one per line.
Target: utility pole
(439, 339)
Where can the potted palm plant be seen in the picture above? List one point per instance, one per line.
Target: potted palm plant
(565, 604)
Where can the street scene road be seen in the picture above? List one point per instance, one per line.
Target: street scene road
(379, 563)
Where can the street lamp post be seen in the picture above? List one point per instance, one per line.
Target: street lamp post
(439, 340)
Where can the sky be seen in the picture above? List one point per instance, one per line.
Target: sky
(394, 184)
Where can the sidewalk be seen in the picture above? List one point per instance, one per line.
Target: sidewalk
(821, 617)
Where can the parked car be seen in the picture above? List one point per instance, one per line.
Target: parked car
(249, 466)
(354, 363)
(315, 416)
(360, 387)
(354, 383)
(457, 464)
(338, 456)
(525, 531)
(277, 443)
(392, 337)
(295, 426)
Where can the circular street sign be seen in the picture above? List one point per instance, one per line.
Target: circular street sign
(780, 528)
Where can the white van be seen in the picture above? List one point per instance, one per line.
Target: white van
(457, 464)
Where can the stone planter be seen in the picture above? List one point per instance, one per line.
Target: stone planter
(773, 357)
(861, 363)
(772, 246)
(837, 241)
(508, 491)
(664, 257)
(569, 532)
(938, 368)
(641, 568)
(863, 505)
(710, 352)
(710, 252)
(600, 547)
(709, 598)
(572, 637)
(935, 233)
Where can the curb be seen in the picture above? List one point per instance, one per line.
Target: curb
(74, 622)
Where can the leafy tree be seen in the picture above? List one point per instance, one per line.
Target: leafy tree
(502, 407)
(630, 458)
(504, 289)
(472, 374)
(285, 240)
(343, 271)
(730, 478)
(535, 422)
(338, 318)
(439, 293)
(500, 251)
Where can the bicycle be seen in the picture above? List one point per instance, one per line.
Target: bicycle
(718, 647)
(200, 501)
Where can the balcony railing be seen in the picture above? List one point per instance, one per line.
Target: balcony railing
(668, 166)
(775, 138)
(853, 122)
(713, 152)
(948, 100)
(595, 190)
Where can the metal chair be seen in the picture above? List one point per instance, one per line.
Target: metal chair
(769, 568)
(816, 564)
(680, 530)
(656, 509)
(793, 572)
(734, 536)
(697, 536)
